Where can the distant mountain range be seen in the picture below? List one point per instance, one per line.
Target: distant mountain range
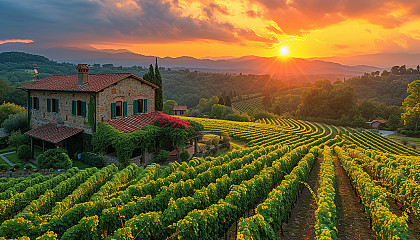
(275, 66)
(383, 60)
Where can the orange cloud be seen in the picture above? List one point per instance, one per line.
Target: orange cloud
(16, 41)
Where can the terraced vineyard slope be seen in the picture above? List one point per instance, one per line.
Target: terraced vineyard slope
(290, 172)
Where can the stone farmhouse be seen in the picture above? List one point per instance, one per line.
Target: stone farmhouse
(64, 109)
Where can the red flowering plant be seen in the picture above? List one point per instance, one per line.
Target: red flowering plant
(174, 122)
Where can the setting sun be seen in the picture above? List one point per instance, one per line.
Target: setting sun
(284, 51)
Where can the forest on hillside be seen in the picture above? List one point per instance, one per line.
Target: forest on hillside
(188, 87)
(184, 86)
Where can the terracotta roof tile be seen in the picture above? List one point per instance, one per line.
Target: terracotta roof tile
(177, 108)
(95, 83)
(134, 122)
(52, 133)
(379, 121)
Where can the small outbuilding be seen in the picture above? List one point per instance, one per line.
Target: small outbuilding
(180, 110)
(375, 123)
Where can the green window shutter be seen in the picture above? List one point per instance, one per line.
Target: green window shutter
(125, 108)
(56, 105)
(30, 103)
(48, 104)
(36, 100)
(83, 110)
(145, 105)
(73, 108)
(113, 110)
(135, 106)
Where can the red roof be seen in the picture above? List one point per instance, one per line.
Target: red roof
(178, 108)
(379, 121)
(52, 133)
(134, 122)
(95, 83)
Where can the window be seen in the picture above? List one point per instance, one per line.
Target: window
(140, 106)
(52, 105)
(34, 103)
(78, 108)
(118, 109)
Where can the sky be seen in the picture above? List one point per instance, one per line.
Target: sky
(201, 28)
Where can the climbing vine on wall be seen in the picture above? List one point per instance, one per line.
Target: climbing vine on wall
(91, 113)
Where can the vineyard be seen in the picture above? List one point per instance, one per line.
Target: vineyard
(248, 105)
(254, 193)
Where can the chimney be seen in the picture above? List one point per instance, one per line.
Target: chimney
(83, 74)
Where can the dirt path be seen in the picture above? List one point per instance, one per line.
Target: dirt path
(352, 222)
(302, 221)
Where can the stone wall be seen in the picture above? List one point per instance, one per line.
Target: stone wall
(129, 89)
(41, 116)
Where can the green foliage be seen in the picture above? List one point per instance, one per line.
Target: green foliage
(24, 152)
(262, 115)
(16, 139)
(50, 235)
(86, 229)
(91, 112)
(326, 102)
(102, 137)
(56, 158)
(28, 166)
(168, 107)
(7, 109)
(184, 155)
(4, 166)
(159, 91)
(393, 122)
(95, 160)
(17, 122)
(411, 115)
(162, 156)
(217, 111)
(238, 118)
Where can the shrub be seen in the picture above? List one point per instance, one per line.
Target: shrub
(162, 156)
(7, 109)
(16, 139)
(24, 152)
(17, 122)
(96, 160)
(413, 146)
(184, 155)
(404, 141)
(238, 118)
(28, 166)
(410, 133)
(56, 158)
(4, 166)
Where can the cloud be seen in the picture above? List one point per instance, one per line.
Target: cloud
(253, 14)
(212, 8)
(300, 16)
(340, 46)
(81, 22)
(16, 41)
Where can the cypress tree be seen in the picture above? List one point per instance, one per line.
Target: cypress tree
(158, 92)
(150, 76)
(228, 101)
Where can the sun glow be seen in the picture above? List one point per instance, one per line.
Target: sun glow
(284, 51)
